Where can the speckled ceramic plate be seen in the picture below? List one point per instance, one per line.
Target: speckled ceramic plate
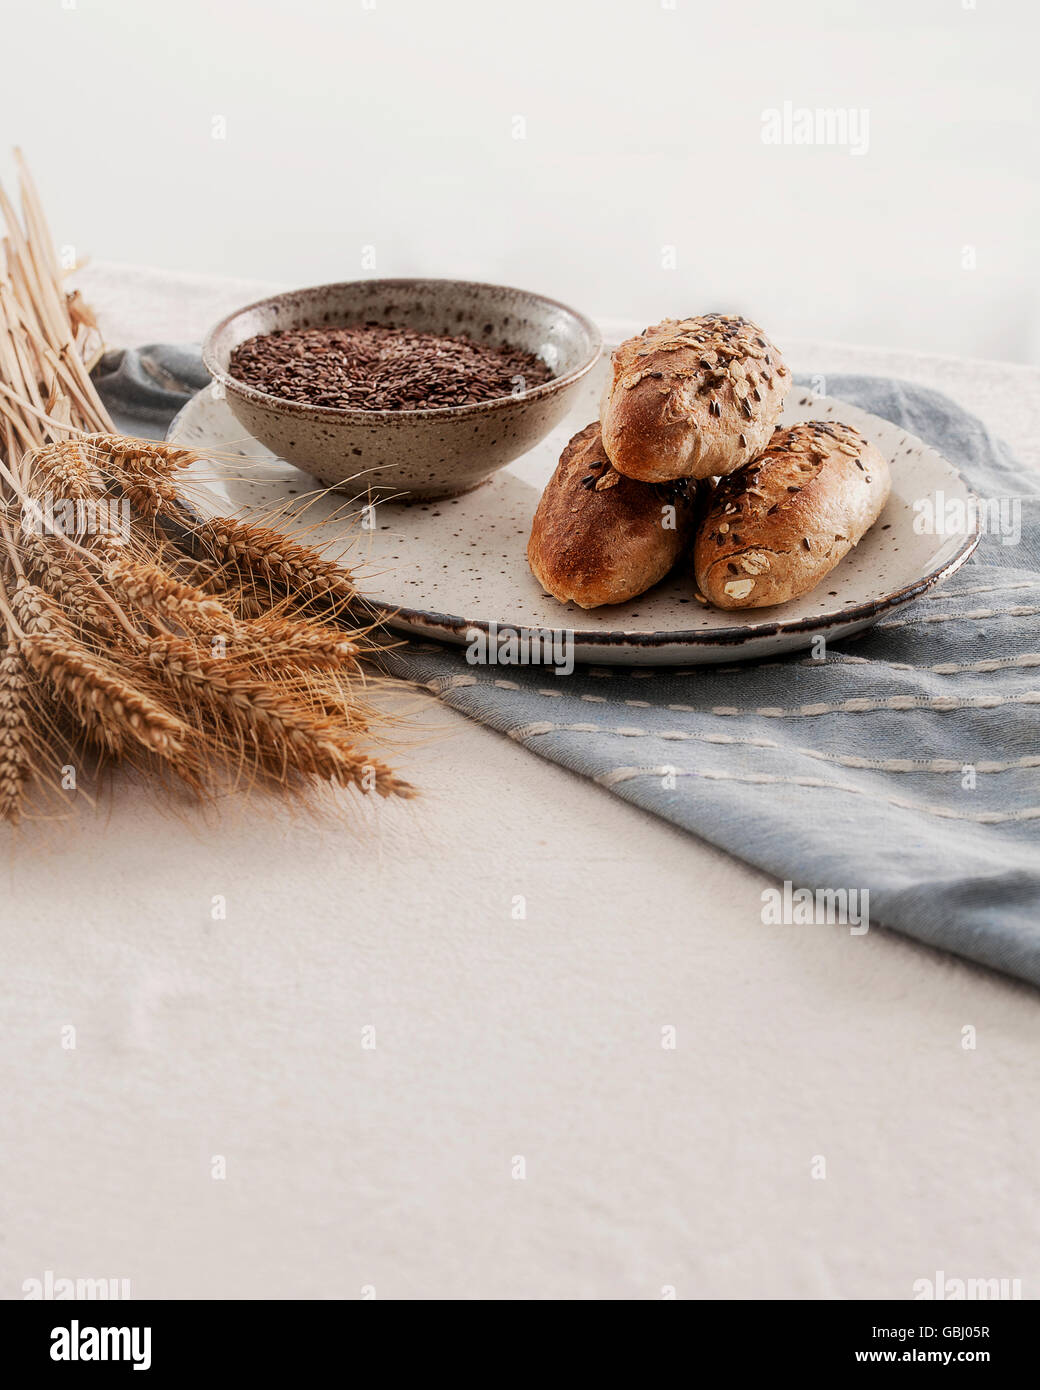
(441, 568)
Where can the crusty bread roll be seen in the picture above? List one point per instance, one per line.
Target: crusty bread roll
(773, 530)
(692, 398)
(600, 538)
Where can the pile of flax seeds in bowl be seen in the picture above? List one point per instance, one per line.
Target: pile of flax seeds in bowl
(369, 367)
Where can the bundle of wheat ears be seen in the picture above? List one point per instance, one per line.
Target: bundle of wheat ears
(198, 652)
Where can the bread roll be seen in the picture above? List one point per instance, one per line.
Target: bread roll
(600, 538)
(773, 530)
(692, 398)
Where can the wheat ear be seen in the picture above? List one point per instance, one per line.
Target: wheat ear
(277, 642)
(58, 572)
(64, 470)
(271, 556)
(115, 712)
(15, 707)
(147, 456)
(150, 587)
(271, 720)
(143, 467)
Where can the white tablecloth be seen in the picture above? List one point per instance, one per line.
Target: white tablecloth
(517, 1130)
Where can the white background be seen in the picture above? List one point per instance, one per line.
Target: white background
(390, 124)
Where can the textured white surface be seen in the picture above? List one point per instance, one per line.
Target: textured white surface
(495, 1038)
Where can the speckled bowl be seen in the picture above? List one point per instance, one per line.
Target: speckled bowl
(415, 453)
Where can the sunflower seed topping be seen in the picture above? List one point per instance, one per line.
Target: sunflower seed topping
(754, 562)
(738, 588)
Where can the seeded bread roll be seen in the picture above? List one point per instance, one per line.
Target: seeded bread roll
(774, 529)
(692, 398)
(600, 538)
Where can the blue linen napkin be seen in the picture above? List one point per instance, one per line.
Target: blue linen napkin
(906, 764)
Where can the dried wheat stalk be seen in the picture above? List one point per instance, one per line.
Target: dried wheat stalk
(192, 652)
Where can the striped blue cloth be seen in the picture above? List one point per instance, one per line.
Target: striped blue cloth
(903, 766)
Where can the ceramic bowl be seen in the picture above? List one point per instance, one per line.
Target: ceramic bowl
(416, 453)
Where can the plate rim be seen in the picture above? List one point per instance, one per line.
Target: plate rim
(692, 637)
(448, 623)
